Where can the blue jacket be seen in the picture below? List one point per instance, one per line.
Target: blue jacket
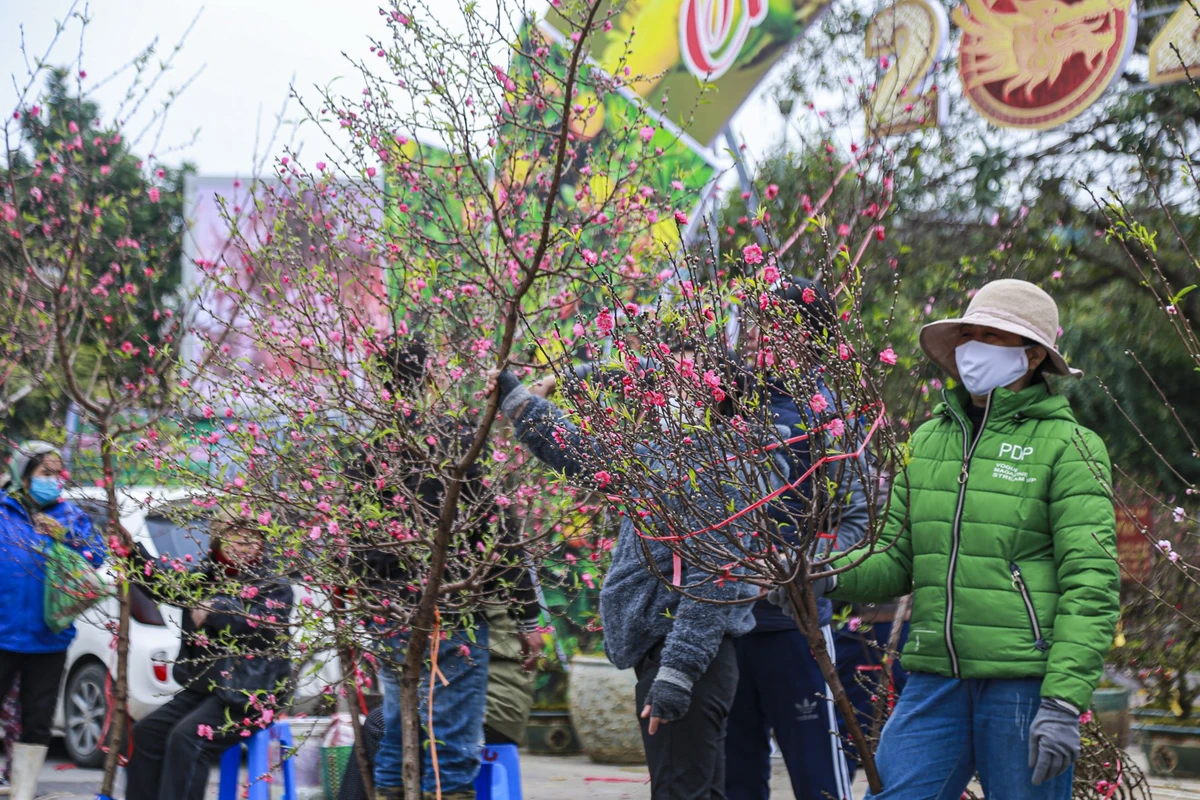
(853, 516)
(637, 609)
(22, 573)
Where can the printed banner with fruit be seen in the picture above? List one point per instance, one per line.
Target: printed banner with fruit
(680, 48)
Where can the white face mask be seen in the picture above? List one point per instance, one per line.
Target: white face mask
(985, 367)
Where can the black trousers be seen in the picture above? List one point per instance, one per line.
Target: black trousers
(40, 674)
(170, 758)
(687, 757)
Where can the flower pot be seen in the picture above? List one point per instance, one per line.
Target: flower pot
(1111, 707)
(549, 733)
(602, 710)
(1172, 748)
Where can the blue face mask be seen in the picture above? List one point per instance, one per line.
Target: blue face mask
(44, 491)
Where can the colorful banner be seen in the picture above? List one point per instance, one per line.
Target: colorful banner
(425, 188)
(193, 453)
(917, 33)
(603, 148)
(1175, 49)
(682, 49)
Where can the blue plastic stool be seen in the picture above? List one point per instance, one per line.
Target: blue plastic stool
(499, 773)
(258, 762)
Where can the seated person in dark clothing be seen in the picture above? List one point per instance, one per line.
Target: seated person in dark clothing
(232, 664)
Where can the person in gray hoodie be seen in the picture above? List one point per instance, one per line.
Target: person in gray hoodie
(680, 645)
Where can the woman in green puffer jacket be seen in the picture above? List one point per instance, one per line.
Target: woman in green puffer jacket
(1002, 527)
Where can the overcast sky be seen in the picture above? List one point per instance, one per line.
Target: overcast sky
(246, 51)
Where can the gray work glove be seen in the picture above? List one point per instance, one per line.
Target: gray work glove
(1053, 740)
(778, 595)
(668, 701)
(513, 394)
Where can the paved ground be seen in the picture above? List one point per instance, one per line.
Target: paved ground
(544, 778)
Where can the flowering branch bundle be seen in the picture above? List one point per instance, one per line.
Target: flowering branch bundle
(343, 324)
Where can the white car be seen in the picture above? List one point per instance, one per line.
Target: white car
(154, 629)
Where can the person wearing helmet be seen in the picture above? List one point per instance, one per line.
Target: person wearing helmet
(32, 515)
(1002, 527)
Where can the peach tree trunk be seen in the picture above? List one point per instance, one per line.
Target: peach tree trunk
(117, 714)
(804, 611)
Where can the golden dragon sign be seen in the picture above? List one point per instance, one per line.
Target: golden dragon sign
(1039, 63)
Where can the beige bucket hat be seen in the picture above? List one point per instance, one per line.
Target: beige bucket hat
(1008, 305)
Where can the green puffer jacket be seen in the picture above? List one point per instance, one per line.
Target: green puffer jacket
(1007, 542)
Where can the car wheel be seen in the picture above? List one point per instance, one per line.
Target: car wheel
(85, 707)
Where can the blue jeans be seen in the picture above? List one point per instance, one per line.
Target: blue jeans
(458, 711)
(944, 730)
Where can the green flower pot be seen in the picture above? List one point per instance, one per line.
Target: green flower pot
(550, 733)
(1172, 746)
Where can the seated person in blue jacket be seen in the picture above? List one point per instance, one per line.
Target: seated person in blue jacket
(32, 515)
(232, 664)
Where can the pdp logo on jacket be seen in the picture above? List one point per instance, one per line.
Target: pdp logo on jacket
(1010, 472)
(1015, 451)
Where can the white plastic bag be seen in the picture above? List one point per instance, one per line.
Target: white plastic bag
(308, 732)
(340, 733)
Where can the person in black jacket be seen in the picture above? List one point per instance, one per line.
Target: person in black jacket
(396, 479)
(232, 665)
(781, 690)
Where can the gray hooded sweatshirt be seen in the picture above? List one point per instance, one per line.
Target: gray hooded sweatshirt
(637, 608)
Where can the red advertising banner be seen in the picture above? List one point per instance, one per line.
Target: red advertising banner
(1135, 534)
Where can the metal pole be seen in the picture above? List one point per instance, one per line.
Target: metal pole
(688, 235)
(744, 179)
(1157, 12)
(72, 436)
(707, 199)
(733, 324)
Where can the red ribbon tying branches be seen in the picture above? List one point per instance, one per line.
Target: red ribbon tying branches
(677, 562)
